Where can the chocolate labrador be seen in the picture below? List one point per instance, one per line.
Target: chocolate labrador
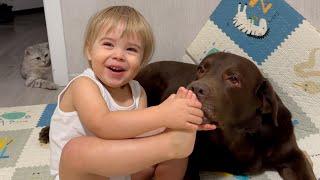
(255, 132)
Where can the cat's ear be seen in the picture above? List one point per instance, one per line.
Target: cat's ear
(27, 52)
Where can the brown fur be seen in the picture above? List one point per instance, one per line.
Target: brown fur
(254, 132)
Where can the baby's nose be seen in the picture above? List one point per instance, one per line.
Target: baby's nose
(118, 54)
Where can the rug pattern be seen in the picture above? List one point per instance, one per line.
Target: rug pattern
(285, 47)
(21, 155)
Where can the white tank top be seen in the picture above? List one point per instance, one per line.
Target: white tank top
(67, 125)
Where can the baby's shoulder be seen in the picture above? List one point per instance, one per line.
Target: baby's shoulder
(83, 83)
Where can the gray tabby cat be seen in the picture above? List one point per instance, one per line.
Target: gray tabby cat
(36, 67)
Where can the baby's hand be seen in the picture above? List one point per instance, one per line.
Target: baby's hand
(190, 95)
(207, 127)
(181, 111)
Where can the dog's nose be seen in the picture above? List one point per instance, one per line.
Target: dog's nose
(200, 89)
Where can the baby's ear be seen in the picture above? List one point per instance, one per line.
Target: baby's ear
(88, 54)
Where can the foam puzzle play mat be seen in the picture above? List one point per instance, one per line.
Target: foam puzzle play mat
(22, 157)
(286, 48)
(272, 34)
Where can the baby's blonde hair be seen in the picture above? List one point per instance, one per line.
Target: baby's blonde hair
(110, 17)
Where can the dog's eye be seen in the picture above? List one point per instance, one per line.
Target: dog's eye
(201, 70)
(233, 79)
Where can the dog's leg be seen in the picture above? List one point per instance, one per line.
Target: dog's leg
(308, 158)
(297, 167)
(192, 172)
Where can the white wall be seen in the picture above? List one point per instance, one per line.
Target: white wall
(52, 9)
(175, 24)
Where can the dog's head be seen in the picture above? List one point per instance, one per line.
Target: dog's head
(233, 92)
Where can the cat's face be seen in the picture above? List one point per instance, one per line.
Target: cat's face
(39, 54)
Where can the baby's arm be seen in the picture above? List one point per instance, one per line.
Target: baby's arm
(95, 115)
(143, 103)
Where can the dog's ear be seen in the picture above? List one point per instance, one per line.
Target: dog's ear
(269, 100)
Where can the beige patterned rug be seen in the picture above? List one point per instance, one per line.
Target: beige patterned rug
(285, 47)
(272, 34)
(22, 157)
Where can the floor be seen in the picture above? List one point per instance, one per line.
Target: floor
(25, 31)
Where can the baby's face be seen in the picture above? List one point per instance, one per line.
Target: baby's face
(116, 58)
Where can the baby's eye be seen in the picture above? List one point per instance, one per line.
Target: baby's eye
(132, 49)
(109, 44)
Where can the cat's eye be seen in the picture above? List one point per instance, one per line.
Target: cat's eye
(46, 55)
(38, 58)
